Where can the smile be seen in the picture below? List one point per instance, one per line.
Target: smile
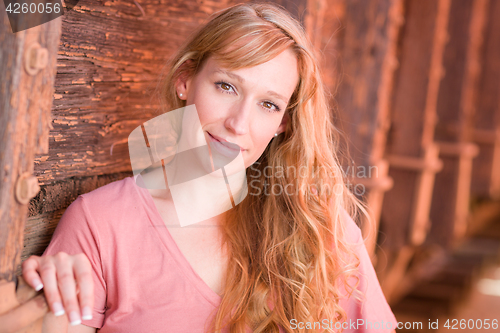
(225, 148)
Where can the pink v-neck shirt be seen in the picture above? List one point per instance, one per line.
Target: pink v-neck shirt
(143, 282)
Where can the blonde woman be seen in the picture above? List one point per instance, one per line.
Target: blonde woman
(279, 261)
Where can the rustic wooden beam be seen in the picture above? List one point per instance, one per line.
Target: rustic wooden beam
(410, 149)
(25, 114)
(411, 152)
(458, 97)
(367, 43)
(486, 132)
(27, 69)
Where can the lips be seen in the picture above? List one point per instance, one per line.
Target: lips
(229, 145)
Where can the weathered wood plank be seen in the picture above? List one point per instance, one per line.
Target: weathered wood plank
(413, 120)
(457, 102)
(485, 174)
(411, 152)
(367, 48)
(27, 69)
(26, 101)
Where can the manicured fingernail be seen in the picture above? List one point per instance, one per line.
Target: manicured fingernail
(86, 313)
(58, 309)
(38, 284)
(74, 318)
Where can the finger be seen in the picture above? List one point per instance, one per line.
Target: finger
(67, 288)
(83, 273)
(47, 271)
(30, 274)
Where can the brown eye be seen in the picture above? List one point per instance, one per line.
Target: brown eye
(224, 87)
(271, 107)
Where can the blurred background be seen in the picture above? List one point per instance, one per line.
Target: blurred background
(414, 86)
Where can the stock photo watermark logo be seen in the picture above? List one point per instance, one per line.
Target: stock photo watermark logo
(26, 14)
(205, 178)
(353, 177)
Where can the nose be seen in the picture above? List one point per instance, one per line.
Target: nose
(238, 119)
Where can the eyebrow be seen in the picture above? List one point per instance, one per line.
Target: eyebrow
(242, 80)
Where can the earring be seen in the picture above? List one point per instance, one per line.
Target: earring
(180, 95)
(275, 134)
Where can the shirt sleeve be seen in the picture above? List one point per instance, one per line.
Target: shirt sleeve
(76, 233)
(372, 313)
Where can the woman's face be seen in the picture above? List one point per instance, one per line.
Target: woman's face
(245, 107)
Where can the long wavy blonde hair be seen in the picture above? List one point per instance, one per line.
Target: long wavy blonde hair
(288, 253)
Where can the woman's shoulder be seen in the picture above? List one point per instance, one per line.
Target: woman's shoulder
(118, 191)
(113, 199)
(107, 209)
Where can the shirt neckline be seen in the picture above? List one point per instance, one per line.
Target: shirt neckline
(169, 242)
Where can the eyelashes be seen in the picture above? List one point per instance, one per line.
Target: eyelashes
(220, 84)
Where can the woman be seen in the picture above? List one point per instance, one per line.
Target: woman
(287, 258)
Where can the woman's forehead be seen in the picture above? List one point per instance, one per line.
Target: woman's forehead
(220, 63)
(281, 78)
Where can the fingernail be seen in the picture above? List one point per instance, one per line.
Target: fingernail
(86, 313)
(58, 309)
(38, 284)
(74, 318)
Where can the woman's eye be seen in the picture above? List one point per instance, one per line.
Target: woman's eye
(269, 106)
(224, 87)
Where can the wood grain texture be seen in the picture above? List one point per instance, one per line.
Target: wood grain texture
(457, 101)
(25, 105)
(485, 177)
(413, 115)
(367, 54)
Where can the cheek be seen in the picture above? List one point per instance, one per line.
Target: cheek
(263, 140)
(264, 129)
(209, 105)
(260, 141)
(205, 108)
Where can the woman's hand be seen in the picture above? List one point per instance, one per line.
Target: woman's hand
(63, 277)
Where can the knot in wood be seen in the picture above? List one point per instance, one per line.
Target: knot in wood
(26, 188)
(36, 58)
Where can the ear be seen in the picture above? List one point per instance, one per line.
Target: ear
(284, 122)
(184, 80)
